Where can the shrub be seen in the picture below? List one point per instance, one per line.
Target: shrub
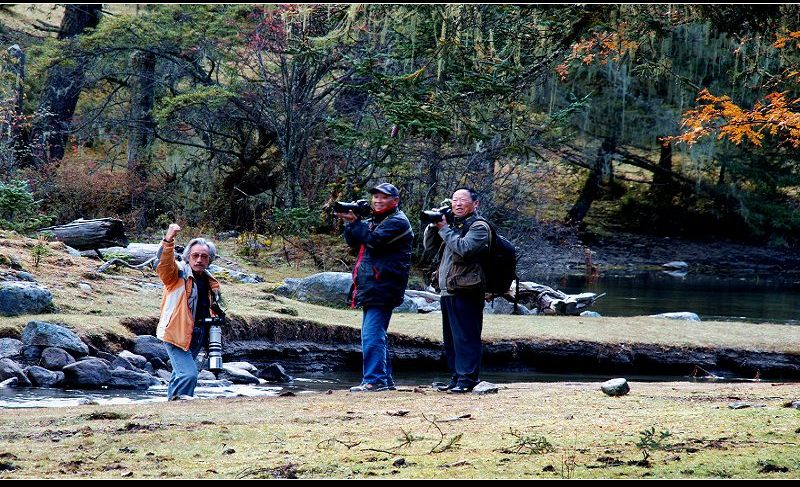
(18, 210)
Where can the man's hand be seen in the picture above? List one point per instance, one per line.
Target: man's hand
(173, 230)
(349, 217)
(440, 224)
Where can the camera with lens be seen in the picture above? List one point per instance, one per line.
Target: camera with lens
(214, 325)
(435, 215)
(361, 208)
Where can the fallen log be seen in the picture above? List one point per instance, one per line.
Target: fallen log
(134, 254)
(90, 234)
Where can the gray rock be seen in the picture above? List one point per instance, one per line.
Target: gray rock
(163, 374)
(237, 376)
(32, 354)
(73, 252)
(123, 363)
(426, 306)
(138, 361)
(591, 314)
(206, 375)
(214, 383)
(408, 306)
(130, 379)
(275, 373)
(85, 287)
(615, 387)
(11, 383)
(795, 404)
(676, 264)
(92, 372)
(25, 276)
(24, 298)
(236, 275)
(108, 357)
(744, 405)
(151, 348)
(243, 366)
(43, 334)
(329, 288)
(41, 377)
(501, 306)
(11, 348)
(9, 369)
(681, 315)
(157, 363)
(484, 387)
(54, 358)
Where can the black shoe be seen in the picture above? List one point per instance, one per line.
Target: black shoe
(442, 387)
(461, 389)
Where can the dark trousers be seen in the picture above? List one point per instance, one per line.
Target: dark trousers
(462, 323)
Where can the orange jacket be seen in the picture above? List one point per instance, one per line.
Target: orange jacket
(177, 320)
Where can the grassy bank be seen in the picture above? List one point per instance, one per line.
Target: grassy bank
(553, 430)
(127, 293)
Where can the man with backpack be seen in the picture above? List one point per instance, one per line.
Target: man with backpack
(463, 245)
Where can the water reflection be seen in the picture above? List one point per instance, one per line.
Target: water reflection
(752, 298)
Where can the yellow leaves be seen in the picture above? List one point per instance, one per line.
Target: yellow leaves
(775, 116)
(782, 40)
(602, 47)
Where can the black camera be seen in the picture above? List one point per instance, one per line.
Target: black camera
(435, 215)
(361, 208)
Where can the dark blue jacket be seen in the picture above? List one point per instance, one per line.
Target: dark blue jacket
(380, 274)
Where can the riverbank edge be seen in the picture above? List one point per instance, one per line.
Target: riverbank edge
(304, 346)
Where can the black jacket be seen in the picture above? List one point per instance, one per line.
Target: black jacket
(380, 274)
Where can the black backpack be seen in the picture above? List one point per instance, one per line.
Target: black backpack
(500, 264)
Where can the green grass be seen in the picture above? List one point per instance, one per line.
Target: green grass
(344, 435)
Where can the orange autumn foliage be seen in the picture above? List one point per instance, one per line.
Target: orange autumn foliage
(776, 116)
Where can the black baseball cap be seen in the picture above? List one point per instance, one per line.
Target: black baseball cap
(386, 188)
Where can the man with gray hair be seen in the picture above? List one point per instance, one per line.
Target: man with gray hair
(189, 292)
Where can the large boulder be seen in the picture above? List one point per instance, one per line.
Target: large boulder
(24, 298)
(54, 358)
(151, 348)
(130, 379)
(138, 361)
(615, 387)
(43, 334)
(329, 288)
(41, 377)
(11, 348)
(408, 306)
(237, 376)
(10, 369)
(275, 373)
(92, 372)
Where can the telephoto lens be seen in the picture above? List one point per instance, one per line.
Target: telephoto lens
(215, 347)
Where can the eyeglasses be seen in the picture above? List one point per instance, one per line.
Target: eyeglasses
(200, 256)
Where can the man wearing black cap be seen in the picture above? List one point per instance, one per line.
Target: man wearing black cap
(380, 276)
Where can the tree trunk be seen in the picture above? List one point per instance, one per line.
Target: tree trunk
(140, 137)
(62, 88)
(662, 185)
(90, 234)
(15, 133)
(601, 175)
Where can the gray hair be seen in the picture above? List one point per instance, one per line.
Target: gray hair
(212, 249)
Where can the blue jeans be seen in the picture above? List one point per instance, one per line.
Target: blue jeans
(377, 361)
(462, 323)
(184, 369)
